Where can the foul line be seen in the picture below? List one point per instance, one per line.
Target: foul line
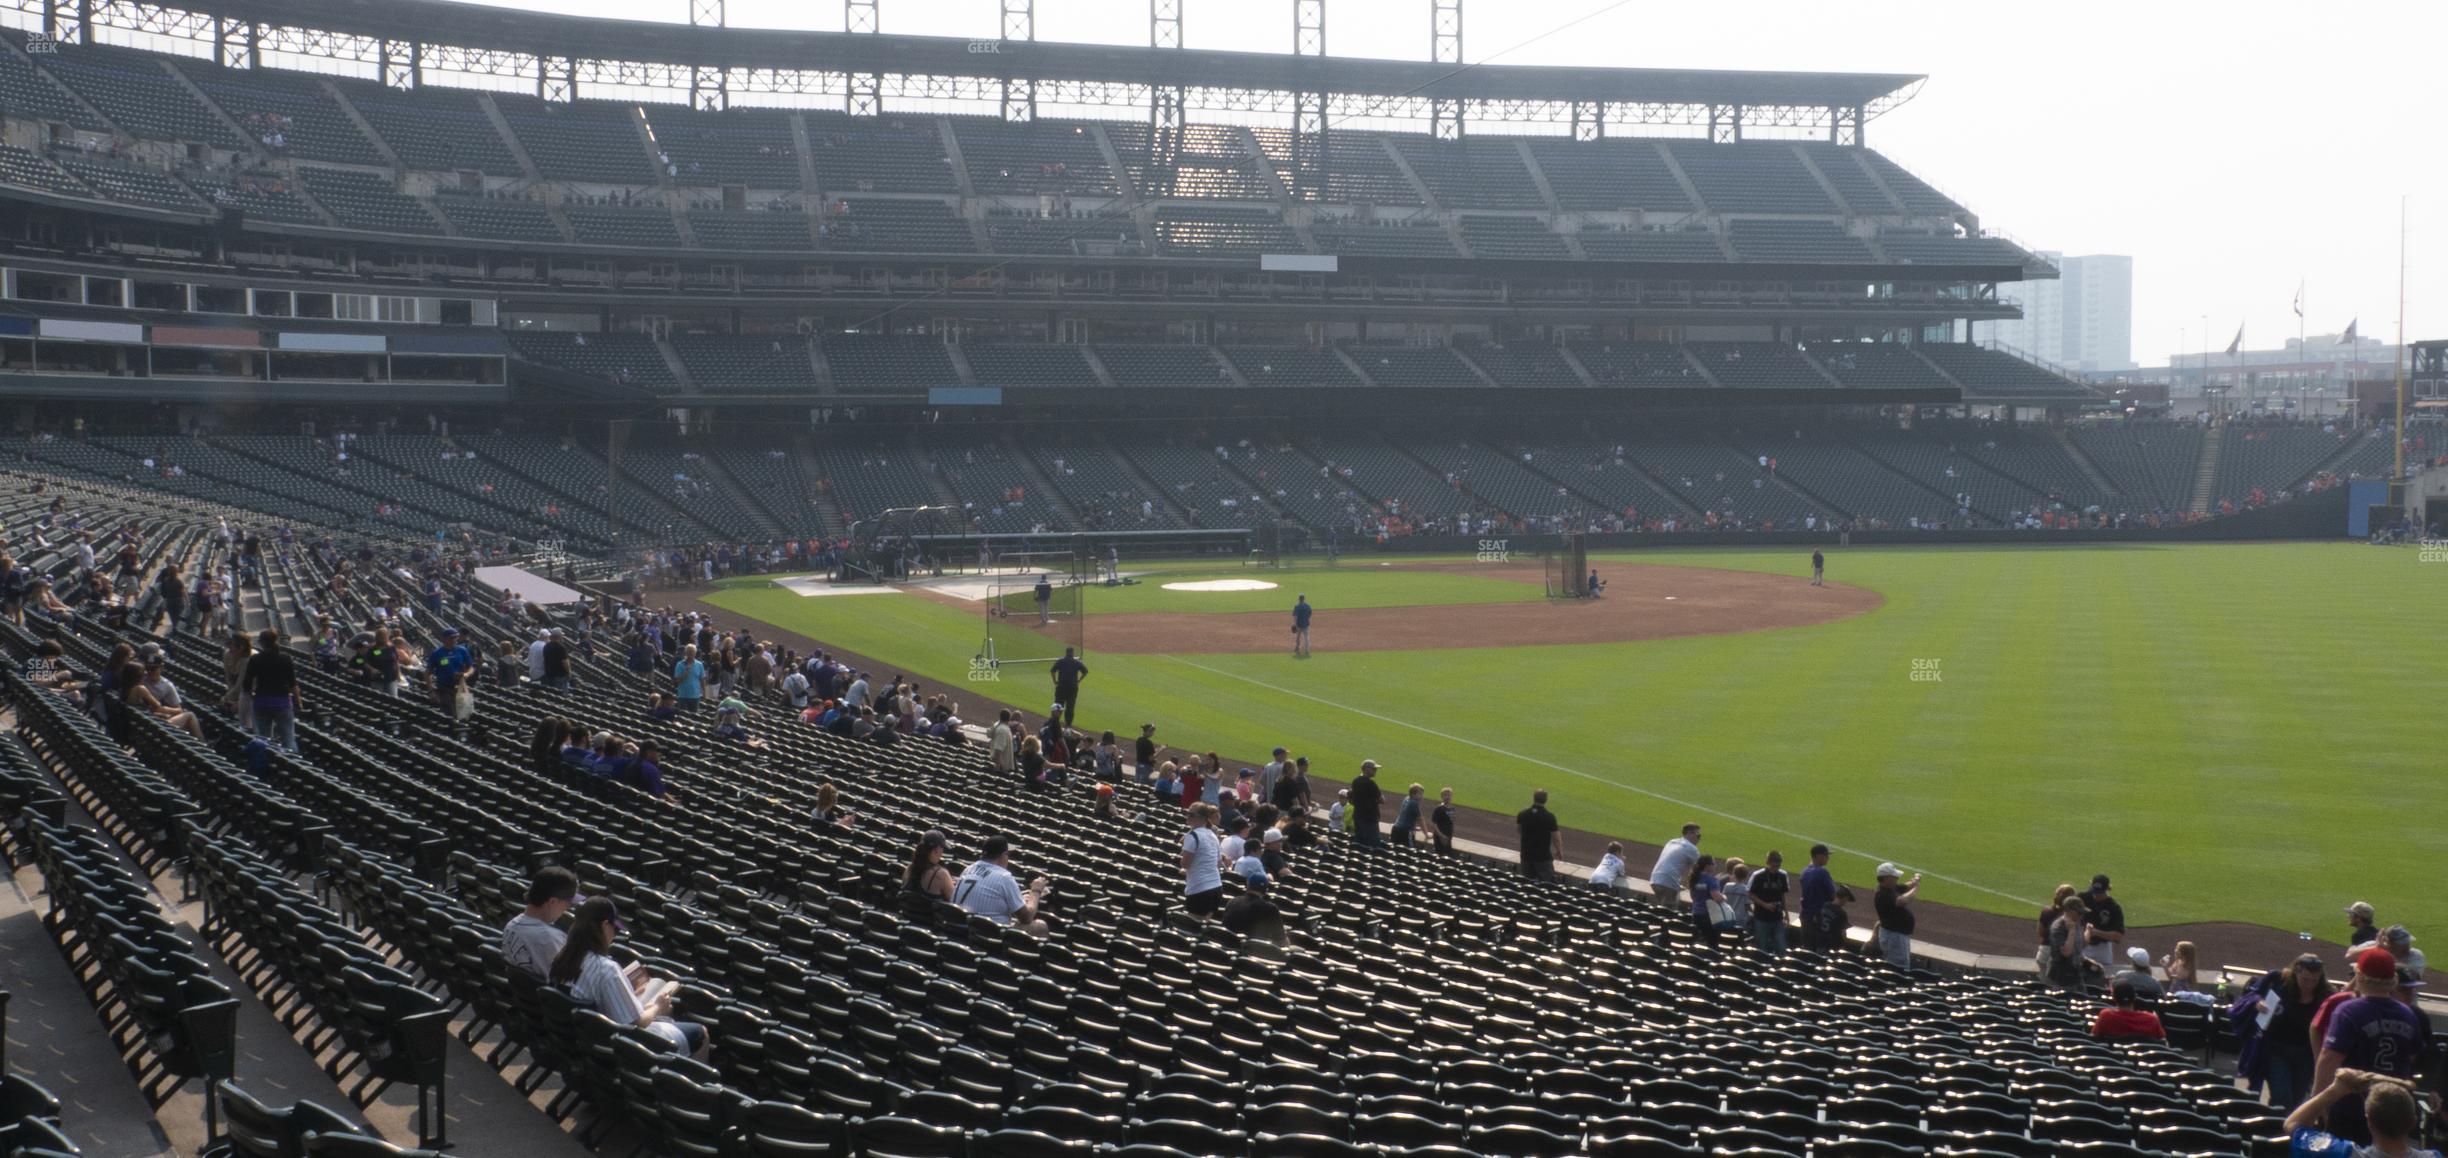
(1654, 795)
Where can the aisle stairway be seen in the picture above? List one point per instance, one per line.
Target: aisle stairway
(2205, 474)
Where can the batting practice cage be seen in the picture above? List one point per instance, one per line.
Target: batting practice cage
(1022, 630)
(1568, 568)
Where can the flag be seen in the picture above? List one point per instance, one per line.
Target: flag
(2237, 346)
(2299, 289)
(2348, 338)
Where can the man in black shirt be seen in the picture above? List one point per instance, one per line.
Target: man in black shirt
(1542, 839)
(1145, 756)
(1768, 888)
(270, 681)
(1366, 796)
(1068, 672)
(1292, 792)
(2103, 942)
(1440, 822)
(1252, 915)
(556, 661)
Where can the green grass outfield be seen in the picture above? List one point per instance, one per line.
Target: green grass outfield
(2237, 732)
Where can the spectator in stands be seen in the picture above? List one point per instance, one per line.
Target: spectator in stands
(234, 665)
(2067, 966)
(1202, 862)
(1895, 915)
(1407, 814)
(509, 668)
(135, 697)
(2105, 941)
(2279, 1047)
(1542, 838)
(688, 679)
(926, 875)
(2368, 1029)
(988, 889)
(1166, 788)
(1707, 899)
(2359, 923)
(552, 734)
(2124, 1018)
(2400, 943)
(1191, 774)
(644, 770)
(448, 670)
(556, 660)
(1441, 822)
(1292, 792)
(2180, 967)
(533, 938)
(1818, 890)
(1609, 874)
(173, 589)
(586, 969)
(2388, 1105)
(1108, 759)
(1002, 742)
(1032, 762)
(1144, 754)
(827, 809)
(1674, 863)
(1767, 916)
(272, 690)
(1367, 796)
(1253, 914)
(1832, 923)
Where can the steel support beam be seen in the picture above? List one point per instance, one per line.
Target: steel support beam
(1020, 19)
(401, 63)
(1588, 120)
(1165, 104)
(234, 44)
(864, 94)
(1445, 47)
(709, 88)
(1019, 95)
(1845, 124)
(1725, 123)
(1164, 23)
(1309, 108)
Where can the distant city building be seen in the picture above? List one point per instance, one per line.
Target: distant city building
(2320, 361)
(2083, 321)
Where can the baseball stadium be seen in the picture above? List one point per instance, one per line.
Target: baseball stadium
(689, 492)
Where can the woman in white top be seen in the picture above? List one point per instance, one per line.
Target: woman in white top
(1202, 864)
(586, 969)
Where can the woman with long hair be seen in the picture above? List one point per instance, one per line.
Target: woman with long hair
(1032, 762)
(586, 969)
(2286, 1043)
(136, 697)
(926, 875)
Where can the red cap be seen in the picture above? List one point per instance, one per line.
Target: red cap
(2377, 964)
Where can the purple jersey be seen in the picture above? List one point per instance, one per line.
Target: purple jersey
(2377, 1034)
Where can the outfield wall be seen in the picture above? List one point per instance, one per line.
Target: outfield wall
(2317, 516)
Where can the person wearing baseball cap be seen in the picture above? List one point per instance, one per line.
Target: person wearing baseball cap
(2392, 1111)
(1253, 914)
(2124, 1019)
(2359, 919)
(446, 667)
(2365, 1028)
(2103, 943)
(1893, 904)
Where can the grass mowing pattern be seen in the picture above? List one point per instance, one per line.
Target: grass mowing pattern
(2192, 719)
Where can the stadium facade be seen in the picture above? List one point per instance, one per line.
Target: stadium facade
(1691, 279)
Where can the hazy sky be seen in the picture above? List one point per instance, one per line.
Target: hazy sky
(2233, 149)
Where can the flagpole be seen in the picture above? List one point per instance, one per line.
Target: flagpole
(2397, 490)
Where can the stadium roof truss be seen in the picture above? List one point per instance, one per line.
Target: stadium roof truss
(408, 43)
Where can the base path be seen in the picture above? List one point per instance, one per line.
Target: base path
(1641, 602)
